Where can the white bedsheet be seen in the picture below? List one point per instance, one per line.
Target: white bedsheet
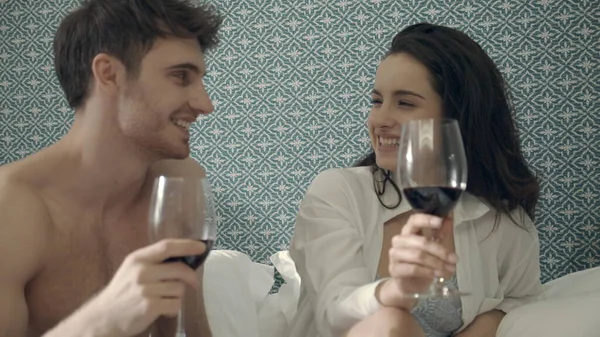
(234, 289)
(238, 303)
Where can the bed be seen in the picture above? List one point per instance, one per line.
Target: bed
(239, 303)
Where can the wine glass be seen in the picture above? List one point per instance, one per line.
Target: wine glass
(183, 208)
(432, 168)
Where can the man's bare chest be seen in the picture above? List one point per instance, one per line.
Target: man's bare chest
(85, 253)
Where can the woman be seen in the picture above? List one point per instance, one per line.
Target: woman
(356, 244)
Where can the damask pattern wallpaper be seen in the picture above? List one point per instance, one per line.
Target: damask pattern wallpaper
(290, 82)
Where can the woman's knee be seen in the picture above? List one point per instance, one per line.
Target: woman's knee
(387, 322)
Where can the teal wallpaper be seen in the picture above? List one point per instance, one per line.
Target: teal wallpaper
(290, 83)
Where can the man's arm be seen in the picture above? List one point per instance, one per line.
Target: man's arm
(24, 229)
(23, 225)
(195, 319)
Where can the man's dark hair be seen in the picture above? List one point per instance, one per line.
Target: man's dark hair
(125, 29)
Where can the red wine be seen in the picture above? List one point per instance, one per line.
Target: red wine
(438, 201)
(194, 261)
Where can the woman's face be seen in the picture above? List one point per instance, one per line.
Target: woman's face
(402, 92)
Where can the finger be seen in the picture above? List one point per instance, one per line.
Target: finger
(167, 248)
(422, 243)
(169, 272)
(446, 228)
(168, 289)
(409, 270)
(170, 307)
(420, 257)
(420, 221)
(406, 270)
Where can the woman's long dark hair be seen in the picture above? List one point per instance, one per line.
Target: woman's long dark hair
(474, 93)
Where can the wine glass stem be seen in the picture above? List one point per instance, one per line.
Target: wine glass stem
(180, 324)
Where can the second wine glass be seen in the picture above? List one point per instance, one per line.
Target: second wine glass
(183, 208)
(432, 169)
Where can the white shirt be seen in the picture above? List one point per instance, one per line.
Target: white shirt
(337, 244)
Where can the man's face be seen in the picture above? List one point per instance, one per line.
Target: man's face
(156, 109)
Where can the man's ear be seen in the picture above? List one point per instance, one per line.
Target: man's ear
(108, 72)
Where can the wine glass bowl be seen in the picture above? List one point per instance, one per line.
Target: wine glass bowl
(183, 208)
(432, 170)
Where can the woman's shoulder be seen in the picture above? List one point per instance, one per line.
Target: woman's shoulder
(351, 177)
(347, 185)
(513, 231)
(361, 171)
(514, 225)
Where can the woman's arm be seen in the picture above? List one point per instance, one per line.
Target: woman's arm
(484, 325)
(519, 267)
(327, 248)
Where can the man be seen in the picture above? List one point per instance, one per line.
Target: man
(76, 259)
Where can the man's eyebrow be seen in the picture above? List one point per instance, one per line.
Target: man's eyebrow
(188, 66)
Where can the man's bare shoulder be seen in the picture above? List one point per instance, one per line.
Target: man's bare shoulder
(19, 202)
(24, 223)
(14, 179)
(188, 167)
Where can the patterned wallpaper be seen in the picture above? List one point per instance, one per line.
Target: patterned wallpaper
(290, 84)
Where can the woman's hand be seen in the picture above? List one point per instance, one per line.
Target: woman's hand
(415, 260)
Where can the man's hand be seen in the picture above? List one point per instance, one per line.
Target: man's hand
(142, 290)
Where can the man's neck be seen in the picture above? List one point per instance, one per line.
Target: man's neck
(99, 168)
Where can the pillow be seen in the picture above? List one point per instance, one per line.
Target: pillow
(233, 288)
(278, 310)
(568, 306)
(290, 291)
(272, 321)
(573, 316)
(578, 283)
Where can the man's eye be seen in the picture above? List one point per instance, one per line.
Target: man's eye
(183, 76)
